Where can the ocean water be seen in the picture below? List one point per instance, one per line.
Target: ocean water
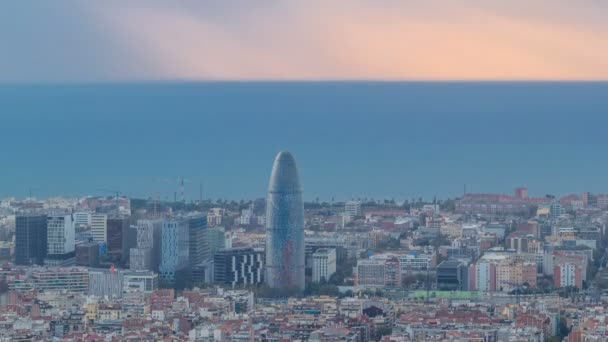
(350, 139)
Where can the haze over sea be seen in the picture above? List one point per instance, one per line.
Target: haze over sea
(350, 139)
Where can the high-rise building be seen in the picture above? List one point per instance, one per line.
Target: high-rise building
(556, 210)
(118, 239)
(215, 239)
(30, 239)
(146, 254)
(485, 276)
(61, 240)
(568, 275)
(239, 266)
(285, 226)
(196, 226)
(82, 219)
(323, 264)
(99, 227)
(174, 251)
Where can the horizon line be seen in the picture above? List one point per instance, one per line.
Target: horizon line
(327, 81)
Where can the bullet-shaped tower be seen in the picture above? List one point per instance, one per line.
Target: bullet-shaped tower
(285, 226)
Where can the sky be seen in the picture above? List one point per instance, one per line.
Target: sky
(63, 41)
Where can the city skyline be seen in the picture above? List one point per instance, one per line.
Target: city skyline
(438, 171)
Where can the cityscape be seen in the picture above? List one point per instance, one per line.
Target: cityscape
(303, 171)
(480, 267)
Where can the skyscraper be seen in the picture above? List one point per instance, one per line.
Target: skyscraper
(61, 243)
(174, 252)
(30, 239)
(99, 227)
(146, 256)
(285, 226)
(117, 238)
(197, 225)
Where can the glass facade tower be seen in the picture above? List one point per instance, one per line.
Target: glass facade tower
(285, 226)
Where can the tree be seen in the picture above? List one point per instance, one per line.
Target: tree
(389, 244)
(382, 331)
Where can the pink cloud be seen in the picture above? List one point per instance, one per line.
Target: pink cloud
(319, 39)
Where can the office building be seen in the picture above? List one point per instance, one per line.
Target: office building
(61, 243)
(416, 261)
(568, 275)
(323, 264)
(87, 254)
(139, 281)
(99, 227)
(352, 209)
(370, 273)
(196, 225)
(239, 267)
(452, 275)
(73, 279)
(313, 243)
(518, 243)
(556, 210)
(146, 254)
(214, 216)
(30, 239)
(82, 219)
(202, 273)
(105, 283)
(485, 276)
(215, 239)
(392, 273)
(285, 226)
(118, 236)
(174, 252)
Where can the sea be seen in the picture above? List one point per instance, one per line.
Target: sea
(374, 140)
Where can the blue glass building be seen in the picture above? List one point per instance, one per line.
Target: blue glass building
(174, 252)
(285, 226)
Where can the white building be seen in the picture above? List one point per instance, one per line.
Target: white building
(145, 282)
(74, 279)
(61, 237)
(99, 227)
(413, 261)
(82, 219)
(484, 273)
(105, 283)
(214, 216)
(352, 208)
(323, 264)
(556, 210)
(261, 220)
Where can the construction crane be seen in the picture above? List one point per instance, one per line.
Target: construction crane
(181, 181)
